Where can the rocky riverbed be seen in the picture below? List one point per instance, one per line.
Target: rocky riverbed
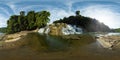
(109, 41)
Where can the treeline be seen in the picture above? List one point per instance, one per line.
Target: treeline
(3, 30)
(88, 24)
(32, 20)
(116, 30)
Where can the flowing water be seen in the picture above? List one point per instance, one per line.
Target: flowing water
(46, 47)
(69, 29)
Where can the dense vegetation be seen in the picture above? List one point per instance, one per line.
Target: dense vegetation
(116, 30)
(88, 24)
(3, 29)
(31, 21)
(35, 20)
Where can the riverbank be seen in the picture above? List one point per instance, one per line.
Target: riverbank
(109, 41)
(14, 40)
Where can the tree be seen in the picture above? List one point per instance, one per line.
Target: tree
(31, 21)
(77, 13)
(22, 22)
(22, 13)
(42, 18)
(12, 24)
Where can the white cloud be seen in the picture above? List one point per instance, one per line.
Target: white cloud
(3, 21)
(103, 14)
(57, 14)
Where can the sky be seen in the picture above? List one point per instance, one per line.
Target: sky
(106, 11)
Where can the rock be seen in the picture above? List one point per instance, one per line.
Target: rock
(109, 41)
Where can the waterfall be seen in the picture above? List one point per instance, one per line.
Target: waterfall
(66, 30)
(47, 30)
(44, 30)
(41, 30)
(71, 29)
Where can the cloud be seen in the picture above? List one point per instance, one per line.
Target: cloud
(3, 21)
(104, 14)
(64, 8)
(57, 14)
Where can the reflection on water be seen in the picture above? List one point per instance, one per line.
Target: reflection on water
(46, 47)
(113, 34)
(46, 42)
(55, 43)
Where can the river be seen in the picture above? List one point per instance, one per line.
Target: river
(46, 47)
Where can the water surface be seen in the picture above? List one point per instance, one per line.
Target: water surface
(46, 47)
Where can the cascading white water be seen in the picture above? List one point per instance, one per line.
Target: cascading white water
(44, 30)
(47, 30)
(71, 29)
(41, 30)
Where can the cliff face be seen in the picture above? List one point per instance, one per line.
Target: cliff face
(60, 29)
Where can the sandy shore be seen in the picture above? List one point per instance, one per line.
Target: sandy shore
(13, 40)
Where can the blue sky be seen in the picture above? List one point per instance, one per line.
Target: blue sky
(106, 11)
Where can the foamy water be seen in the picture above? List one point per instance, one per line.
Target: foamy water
(69, 29)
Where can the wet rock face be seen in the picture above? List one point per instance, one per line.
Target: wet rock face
(60, 29)
(56, 29)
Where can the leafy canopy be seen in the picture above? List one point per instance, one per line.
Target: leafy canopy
(31, 21)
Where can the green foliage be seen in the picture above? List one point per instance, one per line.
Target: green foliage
(3, 29)
(116, 30)
(31, 21)
(22, 13)
(88, 24)
(77, 13)
(42, 18)
(12, 24)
